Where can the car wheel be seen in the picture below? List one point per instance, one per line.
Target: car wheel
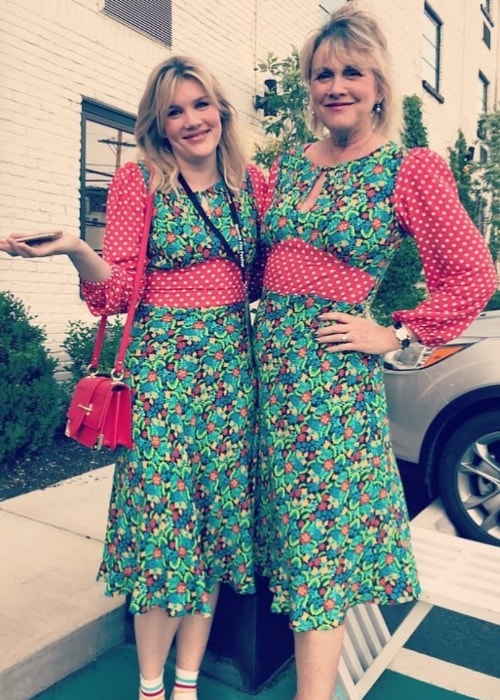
(469, 478)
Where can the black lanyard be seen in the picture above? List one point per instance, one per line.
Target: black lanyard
(238, 258)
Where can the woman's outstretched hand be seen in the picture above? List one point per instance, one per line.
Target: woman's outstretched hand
(66, 244)
(345, 332)
(86, 260)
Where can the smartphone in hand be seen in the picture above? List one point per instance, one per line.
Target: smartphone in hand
(39, 237)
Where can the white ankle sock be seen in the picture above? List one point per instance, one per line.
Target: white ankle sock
(185, 685)
(152, 689)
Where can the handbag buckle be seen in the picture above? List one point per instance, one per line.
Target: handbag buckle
(87, 409)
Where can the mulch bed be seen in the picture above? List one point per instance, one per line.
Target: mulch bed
(62, 459)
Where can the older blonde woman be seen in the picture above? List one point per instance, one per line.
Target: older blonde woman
(332, 524)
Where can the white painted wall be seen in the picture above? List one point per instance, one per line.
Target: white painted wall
(464, 54)
(53, 52)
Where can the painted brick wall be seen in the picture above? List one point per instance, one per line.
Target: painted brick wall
(464, 54)
(53, 52)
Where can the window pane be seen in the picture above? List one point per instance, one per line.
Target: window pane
(331, 5)
(429, 74)
(483, 85)
(487, 35)
(106, 149)
(430, 50)
(430, 27)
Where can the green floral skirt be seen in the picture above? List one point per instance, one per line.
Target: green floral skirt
(181, 510)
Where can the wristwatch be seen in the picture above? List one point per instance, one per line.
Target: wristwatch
(402, 335)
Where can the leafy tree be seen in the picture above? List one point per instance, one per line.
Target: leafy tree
(494, 302)
(402, 286)
(414, 132)
(285, 124)
(479, 184)
(463, 171)
(489, 173)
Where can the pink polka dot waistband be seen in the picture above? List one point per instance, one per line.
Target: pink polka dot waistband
(214, 282)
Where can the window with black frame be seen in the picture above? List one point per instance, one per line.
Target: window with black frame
(107, 144)
(329, 6)
(486, 9)
(431, 53)
(483, 93)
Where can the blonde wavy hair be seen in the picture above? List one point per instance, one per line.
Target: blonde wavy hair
(353, 35)
(154, 147)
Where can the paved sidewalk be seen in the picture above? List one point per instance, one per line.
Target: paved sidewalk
(55, 621)
(54, 617)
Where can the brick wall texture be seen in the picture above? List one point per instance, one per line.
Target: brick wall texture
(54, 52)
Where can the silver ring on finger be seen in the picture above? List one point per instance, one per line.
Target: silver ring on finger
(343, 337)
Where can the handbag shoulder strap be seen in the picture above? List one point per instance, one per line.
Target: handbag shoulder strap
(120, 355)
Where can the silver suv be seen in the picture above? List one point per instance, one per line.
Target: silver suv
(444, 409)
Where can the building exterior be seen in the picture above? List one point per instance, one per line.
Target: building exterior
(448, 53)
(72, 73)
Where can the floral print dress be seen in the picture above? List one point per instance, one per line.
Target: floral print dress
(181, 509)
(332, 523)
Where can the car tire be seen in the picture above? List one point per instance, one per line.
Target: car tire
(469, 477)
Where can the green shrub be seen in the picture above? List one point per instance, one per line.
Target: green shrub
(494, 302)
(403, 286)
(30, 397)
(79, 344)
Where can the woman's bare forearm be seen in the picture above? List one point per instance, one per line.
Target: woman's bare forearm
(91, 267)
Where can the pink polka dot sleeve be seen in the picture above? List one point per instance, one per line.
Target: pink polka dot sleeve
(457, 264)
(125, 211)
(259, 187)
